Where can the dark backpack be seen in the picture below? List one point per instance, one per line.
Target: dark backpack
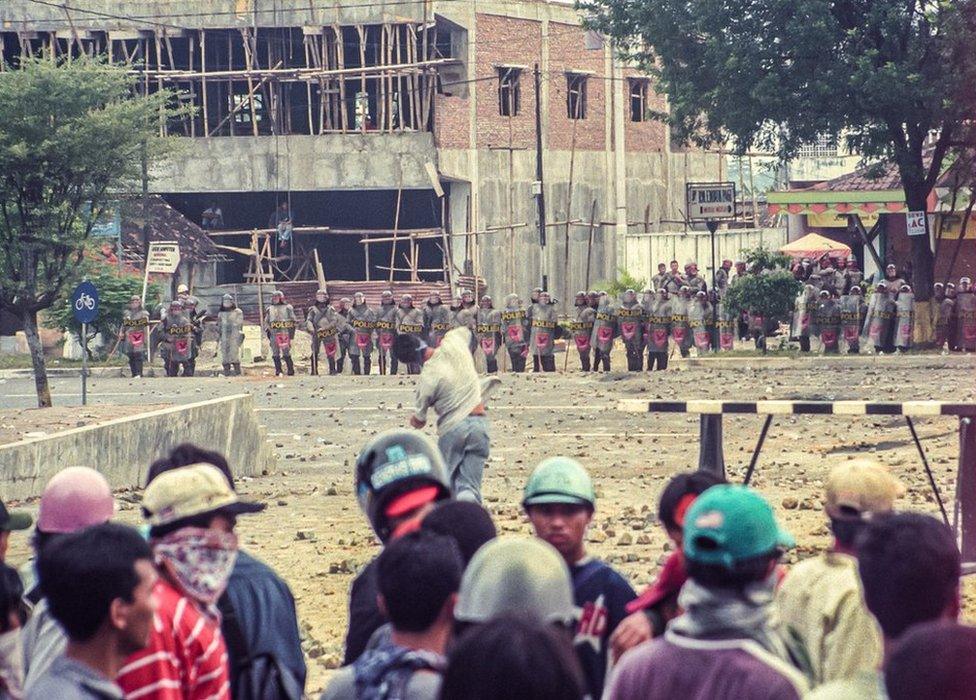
(383, 673)
(254, 676)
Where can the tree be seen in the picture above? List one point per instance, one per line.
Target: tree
(768, 292)
(72, 132)
(620, 285)
(893, 76)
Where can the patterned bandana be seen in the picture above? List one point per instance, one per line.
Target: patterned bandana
(198, 560)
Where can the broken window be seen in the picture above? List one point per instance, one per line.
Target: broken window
(576, 95)
(638, 99)
(240, 106)
(509, 91)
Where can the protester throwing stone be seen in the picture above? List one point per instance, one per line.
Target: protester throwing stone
(450, 385)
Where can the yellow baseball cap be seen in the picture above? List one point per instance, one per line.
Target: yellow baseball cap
(860, 487)
(189, 491)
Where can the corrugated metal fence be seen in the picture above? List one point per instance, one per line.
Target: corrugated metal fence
(645, 250)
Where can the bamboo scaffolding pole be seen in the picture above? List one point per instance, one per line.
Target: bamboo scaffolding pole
(187, 127)
(388, 81)
(240, 105)
(159, 83)
(203, 80)
(425, 77)
(401, 103)
(569, 197)
(445, 244)
(341, 61)
(589, 244)
(411, 41)
(381, 106)
(408, 269)
(396, 228)
(319, 55)
(362, 77)
(193, 88)
(250, 81)
(230, 81)
(308, 85)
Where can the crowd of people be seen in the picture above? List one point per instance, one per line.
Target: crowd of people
(676, 312)
(837, 305)
(449, 609)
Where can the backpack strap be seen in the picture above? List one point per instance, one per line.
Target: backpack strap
(230, 625)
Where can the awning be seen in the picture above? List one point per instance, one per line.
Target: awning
(813, 245)
(812, 201)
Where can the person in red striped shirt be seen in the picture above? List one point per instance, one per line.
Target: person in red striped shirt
(192, 512)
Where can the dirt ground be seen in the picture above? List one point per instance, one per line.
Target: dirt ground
(314, 534)
(25, 423)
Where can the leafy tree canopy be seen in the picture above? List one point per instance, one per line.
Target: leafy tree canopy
(894, 77)
(73, 131)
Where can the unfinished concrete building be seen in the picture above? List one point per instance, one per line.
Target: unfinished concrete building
(401, 136)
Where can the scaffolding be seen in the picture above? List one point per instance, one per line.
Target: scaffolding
(253, 81)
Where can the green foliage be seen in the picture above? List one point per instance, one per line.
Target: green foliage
(114, 290)
(778, 75)
(770, 294)
(623, 282)
(763, 258)
(71, 134)
(774, 76)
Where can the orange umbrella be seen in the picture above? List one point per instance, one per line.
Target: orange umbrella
(813, 245)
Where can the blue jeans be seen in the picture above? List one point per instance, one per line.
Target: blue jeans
(465, 451)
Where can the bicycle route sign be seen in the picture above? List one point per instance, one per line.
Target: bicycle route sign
(84, 302)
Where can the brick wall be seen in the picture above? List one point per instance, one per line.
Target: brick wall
(567, 52)
(452, 121)
(507, 41)
(648, 135)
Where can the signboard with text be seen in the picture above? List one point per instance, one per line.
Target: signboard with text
(915, 223)
(163, 258)
(710, 201)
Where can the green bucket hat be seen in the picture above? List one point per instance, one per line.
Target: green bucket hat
(729, 524)
(559, 480)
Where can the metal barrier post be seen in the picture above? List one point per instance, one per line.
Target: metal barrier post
(711, 456)
(966, 488)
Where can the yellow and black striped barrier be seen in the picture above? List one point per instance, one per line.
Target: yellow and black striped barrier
(711, 453)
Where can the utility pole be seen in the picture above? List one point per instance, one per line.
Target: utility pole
(145, 204)
(540, 197)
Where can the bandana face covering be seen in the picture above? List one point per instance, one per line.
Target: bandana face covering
(198, 560)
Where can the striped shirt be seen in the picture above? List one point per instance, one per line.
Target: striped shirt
(186, 658)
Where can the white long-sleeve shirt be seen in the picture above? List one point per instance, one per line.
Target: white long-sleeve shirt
(448, 382)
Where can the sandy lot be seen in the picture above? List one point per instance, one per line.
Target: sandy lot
(313, 533)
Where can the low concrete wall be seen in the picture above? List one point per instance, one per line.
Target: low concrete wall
(122, 449)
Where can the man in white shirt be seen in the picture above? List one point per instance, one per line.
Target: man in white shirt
(449, 384)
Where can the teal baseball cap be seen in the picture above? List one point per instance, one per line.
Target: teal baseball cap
(729, 524)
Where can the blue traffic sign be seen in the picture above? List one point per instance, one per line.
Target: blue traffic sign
(84, 302)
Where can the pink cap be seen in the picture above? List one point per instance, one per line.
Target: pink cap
(75, 498)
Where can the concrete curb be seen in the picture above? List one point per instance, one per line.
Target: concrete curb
(825, 361)
(122, 449)
(61, 372)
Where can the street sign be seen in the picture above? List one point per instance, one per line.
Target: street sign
(163, 258)
(710, 201)
(915, 222)
(84, 306)
(84, 302)
(108, 225)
